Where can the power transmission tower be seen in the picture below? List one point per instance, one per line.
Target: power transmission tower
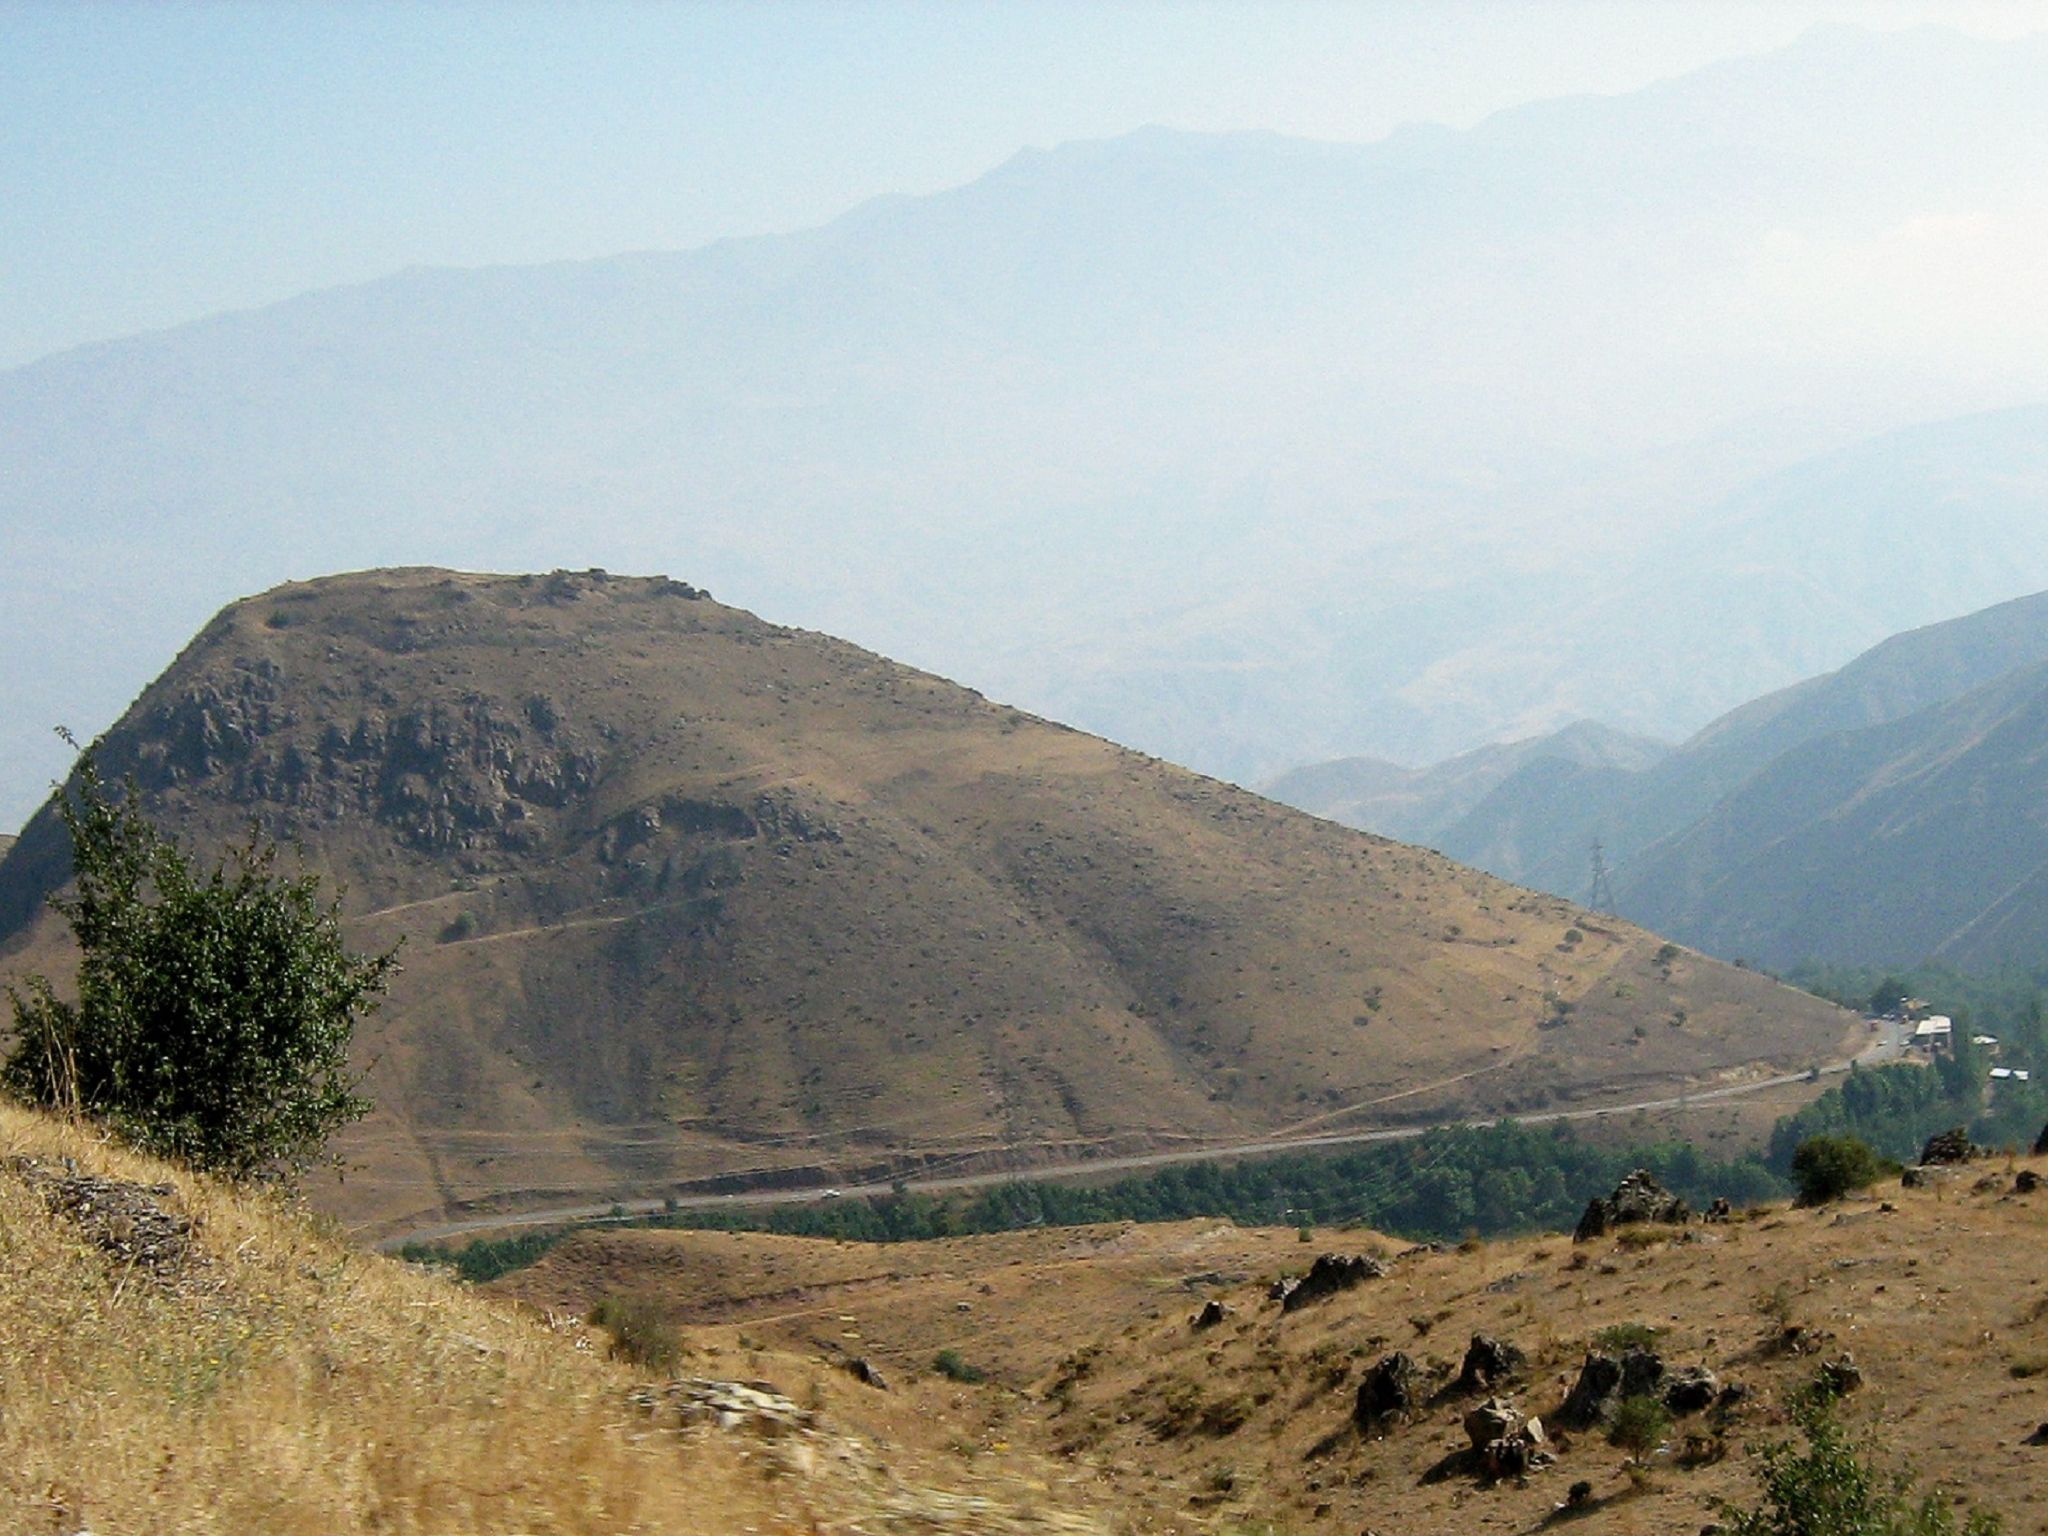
(1601, 897)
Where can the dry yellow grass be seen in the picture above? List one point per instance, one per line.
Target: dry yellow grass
(284, 1382)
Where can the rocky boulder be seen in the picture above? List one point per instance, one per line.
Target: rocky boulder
(1605, 1381)
(1488, 1362)
(1952, 1146)
(1841, 1375)
(1331, 1273)
(1212, 1313)
(1507, 1441)
(1393, 1386)
(1691, 1389)
(1637, 1198)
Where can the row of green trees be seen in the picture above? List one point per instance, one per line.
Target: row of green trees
(1444, 1185)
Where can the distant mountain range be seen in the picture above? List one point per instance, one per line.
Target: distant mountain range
(1891, 811)
(1430, 805)
(685, 894)
(1243, 450)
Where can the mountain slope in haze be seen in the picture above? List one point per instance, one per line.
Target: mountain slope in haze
(1787, 576)
(1241, 449)
(1926, 837)
(1539, 822)
(687, 894)
(1416, 805)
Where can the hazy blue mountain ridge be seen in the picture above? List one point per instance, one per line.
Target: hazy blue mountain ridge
(1243, 450)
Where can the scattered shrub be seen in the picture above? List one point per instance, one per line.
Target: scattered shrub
(214, 1006)
(1640, 1425)
(1618, 1337)
(641, 1336)
(1826, 1168)
(949, 1364)
(1830, 1488)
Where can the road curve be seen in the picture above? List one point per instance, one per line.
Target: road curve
(1881, 1049)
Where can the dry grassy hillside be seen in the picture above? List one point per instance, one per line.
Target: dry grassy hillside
(1086, 1340)
(685, 894)
(180, 1358)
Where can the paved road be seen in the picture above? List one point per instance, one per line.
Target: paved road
(1886, 1045)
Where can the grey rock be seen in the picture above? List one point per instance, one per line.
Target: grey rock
(1331, 1273)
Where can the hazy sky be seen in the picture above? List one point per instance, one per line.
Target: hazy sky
(162, 161)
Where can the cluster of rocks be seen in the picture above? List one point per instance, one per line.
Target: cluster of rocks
(750, 1406)
(1637, 1198)
(127, 1222)
(1507, 1441)
(1607, 1380)
(1331, 1273)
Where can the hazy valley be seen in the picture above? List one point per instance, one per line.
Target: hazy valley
(1283, 720)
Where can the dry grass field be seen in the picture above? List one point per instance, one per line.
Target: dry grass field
(1086, 1341)
(269, 1378)
(685, 894)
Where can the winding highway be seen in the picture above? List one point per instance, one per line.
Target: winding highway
(1888, 1044)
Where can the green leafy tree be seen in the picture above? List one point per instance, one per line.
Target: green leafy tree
(1831, 1488)
(214, 1007)
(1828, 1167)
(1640, 1425)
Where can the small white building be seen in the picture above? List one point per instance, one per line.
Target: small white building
(1935, 1032)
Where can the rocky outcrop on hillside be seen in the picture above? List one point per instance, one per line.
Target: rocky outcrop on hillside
(1637, 1198)
(467, 774)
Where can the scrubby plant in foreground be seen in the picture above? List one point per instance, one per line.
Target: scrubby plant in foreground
(214, 1007)
(1831, 1488)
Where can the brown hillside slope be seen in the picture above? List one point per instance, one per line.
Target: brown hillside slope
(254, 1374)
(685, 893)
(1085, 1338)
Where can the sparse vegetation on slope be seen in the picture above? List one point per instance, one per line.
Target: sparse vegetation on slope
(1158, 1361)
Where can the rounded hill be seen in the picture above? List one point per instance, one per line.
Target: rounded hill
(687, 895)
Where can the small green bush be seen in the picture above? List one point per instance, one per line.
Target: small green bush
(1640, 1425)
(1826, 1168)
(949, 1365)
(640, 1334)
(1830, 1488)
(215, 1004)
(1622, 1336)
